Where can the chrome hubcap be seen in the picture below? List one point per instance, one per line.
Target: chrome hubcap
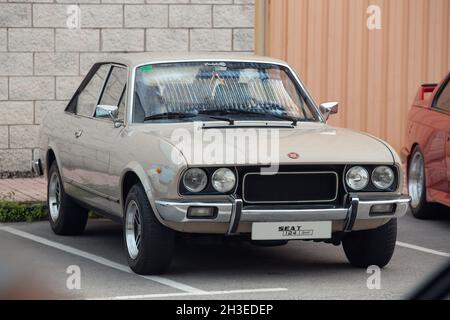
(54, 197)
(133, 229)
(416, 179)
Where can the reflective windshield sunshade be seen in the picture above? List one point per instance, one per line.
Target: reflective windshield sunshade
(256, 89)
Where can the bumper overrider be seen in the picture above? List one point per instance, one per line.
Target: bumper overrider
(36, 166)
(232, 217)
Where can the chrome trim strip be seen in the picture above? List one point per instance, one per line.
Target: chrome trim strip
(401, 202)
(248, 124)
(91, 191)
(176, 212)
(256, 215)
(293, 173)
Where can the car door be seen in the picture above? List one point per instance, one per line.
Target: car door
(101, 139)
(441, 107)
(73, 152)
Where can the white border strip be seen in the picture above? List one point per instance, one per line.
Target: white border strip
(422, 249)
(161, 280)
(187, 294)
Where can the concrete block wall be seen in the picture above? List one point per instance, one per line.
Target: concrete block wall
(42, 61)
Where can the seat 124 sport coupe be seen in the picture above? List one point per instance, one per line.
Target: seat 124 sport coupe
(427, 151)
(218, 145)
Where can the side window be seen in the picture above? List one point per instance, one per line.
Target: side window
(88, 98)
(114, 92)
(443, 101)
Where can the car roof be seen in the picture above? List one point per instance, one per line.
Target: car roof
(137, 59)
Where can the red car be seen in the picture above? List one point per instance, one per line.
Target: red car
(427, 150)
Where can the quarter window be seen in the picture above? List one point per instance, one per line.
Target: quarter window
(114, 92)
(443, 101)
(88, 98)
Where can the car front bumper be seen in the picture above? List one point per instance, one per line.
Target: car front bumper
(232, 216)
(36, 166)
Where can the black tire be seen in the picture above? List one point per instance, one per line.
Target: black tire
(157, 242)
(423, 210)
(71, 218)
(371, 247)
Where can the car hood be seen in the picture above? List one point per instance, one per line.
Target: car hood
(308, 143)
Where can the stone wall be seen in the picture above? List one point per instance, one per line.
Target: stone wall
(42, 60)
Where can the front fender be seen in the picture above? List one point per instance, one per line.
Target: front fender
(137, 169)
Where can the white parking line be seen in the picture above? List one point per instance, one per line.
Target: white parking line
(187, 294)
(100, 260)
(422, 249)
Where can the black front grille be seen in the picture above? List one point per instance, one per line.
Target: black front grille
(288, 187)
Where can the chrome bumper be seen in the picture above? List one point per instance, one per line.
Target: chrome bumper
(233, 213)
(37, 167)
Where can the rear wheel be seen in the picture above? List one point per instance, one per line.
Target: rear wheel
(65, 215)
(371, 247)
(149, 245)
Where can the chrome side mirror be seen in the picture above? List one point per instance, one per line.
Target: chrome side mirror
(329, 108)
(104, 111)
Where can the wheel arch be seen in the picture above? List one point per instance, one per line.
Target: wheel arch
(51, 157)
(129, 179)
(409, 155)
(131, 175)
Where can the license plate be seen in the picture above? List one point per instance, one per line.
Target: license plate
(291, 230)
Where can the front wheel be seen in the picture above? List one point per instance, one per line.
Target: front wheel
(420, 208)
(371, 247)
(149, 245)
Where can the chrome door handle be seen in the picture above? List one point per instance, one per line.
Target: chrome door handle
(78, 133)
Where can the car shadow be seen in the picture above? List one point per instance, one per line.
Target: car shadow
(438, 212)
(229, 257)
(217, 254)
(442, 213)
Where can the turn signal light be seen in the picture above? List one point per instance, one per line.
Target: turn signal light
(382, 209)
(202, 213)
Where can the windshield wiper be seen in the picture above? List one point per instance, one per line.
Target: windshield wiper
(224, 112)
(231, 121)
(171, 115)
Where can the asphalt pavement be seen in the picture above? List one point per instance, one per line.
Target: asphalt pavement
(38, 264)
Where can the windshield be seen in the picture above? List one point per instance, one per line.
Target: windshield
(201, 91)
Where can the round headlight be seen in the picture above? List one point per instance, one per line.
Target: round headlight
(223, 180)
(383, 177)
(357, 178)
(195, 180)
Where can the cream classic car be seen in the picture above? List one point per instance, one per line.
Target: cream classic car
(226, 145)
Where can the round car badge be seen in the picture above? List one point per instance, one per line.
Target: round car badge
(293, 155)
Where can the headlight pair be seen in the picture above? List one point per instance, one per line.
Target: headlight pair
(223, 180)
(358, 178)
